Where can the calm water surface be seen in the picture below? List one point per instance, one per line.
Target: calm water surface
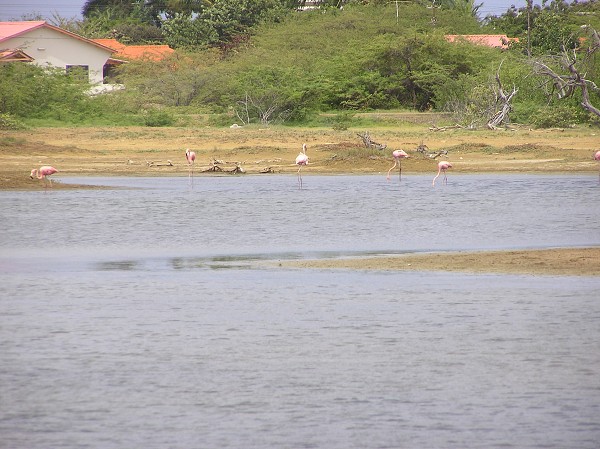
(146, 316)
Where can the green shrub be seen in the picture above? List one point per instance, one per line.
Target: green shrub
(7, 121)
(158, 119)
(559, 116)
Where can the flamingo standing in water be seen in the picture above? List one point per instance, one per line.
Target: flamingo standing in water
(442, 167)
(43, 173)
(398, 156)
(597, 158)
(190, 156)
(301, 161)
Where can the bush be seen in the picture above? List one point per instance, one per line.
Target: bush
(561, 116)
(159, 118)
(7, 122)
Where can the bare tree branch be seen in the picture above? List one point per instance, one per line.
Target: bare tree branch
(504, 100)
(571, 79)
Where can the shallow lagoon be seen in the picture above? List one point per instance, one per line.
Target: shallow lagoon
(145, 316)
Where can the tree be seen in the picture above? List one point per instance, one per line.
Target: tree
(566, 74)
(503, 100)
(467, 7)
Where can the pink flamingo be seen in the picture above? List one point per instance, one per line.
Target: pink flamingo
(43, 173)
(190, 156)
(597, 158)
(442, 167)
(398, 156)
(301, 161)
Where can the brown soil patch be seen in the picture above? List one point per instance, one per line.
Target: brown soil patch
(563, 261)
(143, 151)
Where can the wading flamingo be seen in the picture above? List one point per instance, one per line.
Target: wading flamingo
(43, 173)
(597, 158)
(442, 167)
(301, 161)
(190, 156)
(398, 156)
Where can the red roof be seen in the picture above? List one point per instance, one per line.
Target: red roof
(14, 29)
(490, 40)
(153, 52)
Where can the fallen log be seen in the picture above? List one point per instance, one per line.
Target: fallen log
(444, 128)
(157, 164)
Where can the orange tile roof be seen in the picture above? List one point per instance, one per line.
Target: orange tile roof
(112, 43)
(490, 40)
(153, 52)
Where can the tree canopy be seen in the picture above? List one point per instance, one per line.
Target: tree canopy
(263, 60)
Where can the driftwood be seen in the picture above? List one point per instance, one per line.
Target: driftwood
(369, 143)
(158, 164)
(444, 128)
(426, 152)
(422, 148)
(216, 167)
(437, 154)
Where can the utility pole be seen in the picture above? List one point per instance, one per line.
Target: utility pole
(397, 10)
(529, 9)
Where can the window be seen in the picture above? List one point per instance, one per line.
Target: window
(80, 72)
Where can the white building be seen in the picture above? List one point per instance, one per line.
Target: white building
(48, 45)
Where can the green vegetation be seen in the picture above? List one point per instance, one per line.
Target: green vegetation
(260, 61)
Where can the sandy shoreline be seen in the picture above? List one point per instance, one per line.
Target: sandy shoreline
(556, 261)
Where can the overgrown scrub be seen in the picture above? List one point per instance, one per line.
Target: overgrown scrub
(559, 116)
(8, 122)
(159, 118)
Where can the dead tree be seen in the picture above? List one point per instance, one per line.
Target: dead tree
(369, 143)
(564, 85)
(503, 99)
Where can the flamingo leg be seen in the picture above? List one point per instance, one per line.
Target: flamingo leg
(300, 178)
(390, 170)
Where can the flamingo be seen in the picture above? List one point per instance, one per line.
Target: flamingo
(442, 167)
(301, 160)
(43, 173)
(597, 158)
(191, 159)
(398, 156)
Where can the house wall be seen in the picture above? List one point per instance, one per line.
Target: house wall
(51, 47)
